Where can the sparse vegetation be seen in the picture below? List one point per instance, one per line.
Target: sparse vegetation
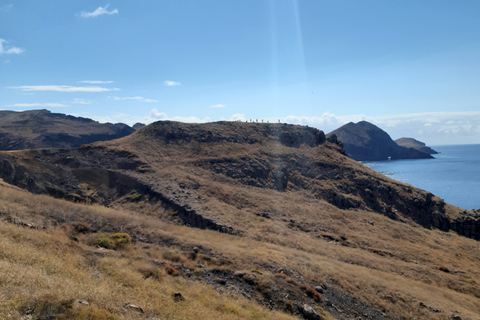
(50, 307)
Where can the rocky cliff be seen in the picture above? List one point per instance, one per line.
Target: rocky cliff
(415, 144)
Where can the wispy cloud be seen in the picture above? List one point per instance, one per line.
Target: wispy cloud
(96, 81)
(98, 12)
(9, 49)
(61, 88)
(81, 101)
(34, 105)
(138, 98)
(170, 83)
(218, 106)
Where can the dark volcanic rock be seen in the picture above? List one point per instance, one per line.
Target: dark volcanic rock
(415, 144)
(364, 141)
(43, 129)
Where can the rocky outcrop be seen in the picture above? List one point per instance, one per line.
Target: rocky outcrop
(43, 129)
(415, 144)
(172, 132)
(364, 141)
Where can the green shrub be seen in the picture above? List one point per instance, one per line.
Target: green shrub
(114, 241)
(106, 242)
(121, 239)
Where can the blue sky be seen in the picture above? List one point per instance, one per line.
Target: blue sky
(411, 67)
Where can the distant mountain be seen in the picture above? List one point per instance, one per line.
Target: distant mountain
(138, 125)
(415, 144)
(43, 129)
(364, 141)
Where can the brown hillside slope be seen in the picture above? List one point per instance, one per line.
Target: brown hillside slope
(296, 201)
(43, 129)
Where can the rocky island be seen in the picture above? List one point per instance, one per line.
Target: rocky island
(363, 141)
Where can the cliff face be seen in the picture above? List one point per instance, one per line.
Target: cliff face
(364, 141)
(415, 144)
(43, 129)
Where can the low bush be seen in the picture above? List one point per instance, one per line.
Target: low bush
(106, 242)
(171, 271)
(113, 241)
(444, 269)
(121, 239)
(82, 227)
(312, 293)
(285, 277)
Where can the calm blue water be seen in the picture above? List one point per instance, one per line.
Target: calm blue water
(454, 174)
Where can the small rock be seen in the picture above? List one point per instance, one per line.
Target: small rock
(240, 273)
(133, 307)
(456, 317)
(310, 313)
(83, 303)
(250, 278)
(319, 289)
(177, 296)
(422, 305)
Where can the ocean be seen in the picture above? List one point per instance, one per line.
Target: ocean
(454, 174)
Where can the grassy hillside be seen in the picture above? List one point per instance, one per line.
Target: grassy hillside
(242, 211)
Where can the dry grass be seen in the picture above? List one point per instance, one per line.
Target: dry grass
(37, 262)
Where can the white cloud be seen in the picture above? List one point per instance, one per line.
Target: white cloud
(34, 105)
(155, 115)
(218, 106)
(170, 83)
(9, 49)
(96, 81)
(238, 117)
(81, 101)
(142, 99)
(62, 88)
(98, 12)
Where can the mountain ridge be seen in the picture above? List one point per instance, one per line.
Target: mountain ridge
(43, 129)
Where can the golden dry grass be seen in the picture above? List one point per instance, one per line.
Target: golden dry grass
(36, 262)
